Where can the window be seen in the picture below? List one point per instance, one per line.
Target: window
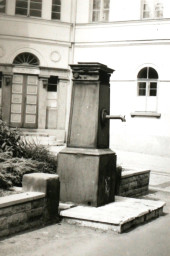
(56, 10)
(29, 7)
(52, 84)
(152, 9)
(147, 89)
(26, 58)
(2, 6)
(100, 10)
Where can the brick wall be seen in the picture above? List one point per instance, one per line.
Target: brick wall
(22, 211)
(133, 183)
(36, 207)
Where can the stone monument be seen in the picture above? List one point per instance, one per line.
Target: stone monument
(87, 166)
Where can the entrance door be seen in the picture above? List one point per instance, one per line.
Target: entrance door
(24, 101)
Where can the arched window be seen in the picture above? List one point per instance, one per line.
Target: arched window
(147, 84)
(26, 58)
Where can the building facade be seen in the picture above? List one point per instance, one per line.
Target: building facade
(40, 38)
(35, 48)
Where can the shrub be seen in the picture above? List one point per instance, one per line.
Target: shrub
(36, 152)
(9, 139)
(18, 156)
(12, 169)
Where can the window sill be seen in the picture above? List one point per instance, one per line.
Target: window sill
(145, 114)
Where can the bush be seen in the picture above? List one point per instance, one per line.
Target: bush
(9, 139)
(12, 169)
(18, 157)
(37, 152)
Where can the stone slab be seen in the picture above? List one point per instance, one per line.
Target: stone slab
(20, 198)
(118, 216)
(39, 182)
(131, 172)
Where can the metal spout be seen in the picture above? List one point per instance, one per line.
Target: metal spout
(105, 117)
(122, 118)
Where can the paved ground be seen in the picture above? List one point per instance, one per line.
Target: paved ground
(138, 160)
(151, 239)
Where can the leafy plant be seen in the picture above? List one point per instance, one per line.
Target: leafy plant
(18, 156)
(12, 169)
(9, 139)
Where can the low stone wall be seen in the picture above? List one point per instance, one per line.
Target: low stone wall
(36, 207)
(22, 211)
(133, 183)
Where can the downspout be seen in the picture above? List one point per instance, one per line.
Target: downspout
(71, 57)
(72, 33)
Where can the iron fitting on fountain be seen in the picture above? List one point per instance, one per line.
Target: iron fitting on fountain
(105, 116)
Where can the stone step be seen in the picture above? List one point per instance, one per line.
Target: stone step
(118, 216)
(44, 136)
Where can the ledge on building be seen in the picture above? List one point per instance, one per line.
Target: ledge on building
(145, 114)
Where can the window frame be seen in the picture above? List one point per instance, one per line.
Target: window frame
(2, 13)
(153, 12)
(51, 82)
(28, 9)
(147, 80)
(26, 59)
(147, 76)
(55, 11)
(101, 11)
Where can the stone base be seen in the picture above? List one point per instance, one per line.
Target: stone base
(119, 216)
(87, 176)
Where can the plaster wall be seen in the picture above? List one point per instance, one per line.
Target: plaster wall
(122, 32)
(120, 10)
(141, 134)
(49, 54)
(34, 28)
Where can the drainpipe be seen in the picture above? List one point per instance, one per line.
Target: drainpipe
(72, 33)
(71, 56)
